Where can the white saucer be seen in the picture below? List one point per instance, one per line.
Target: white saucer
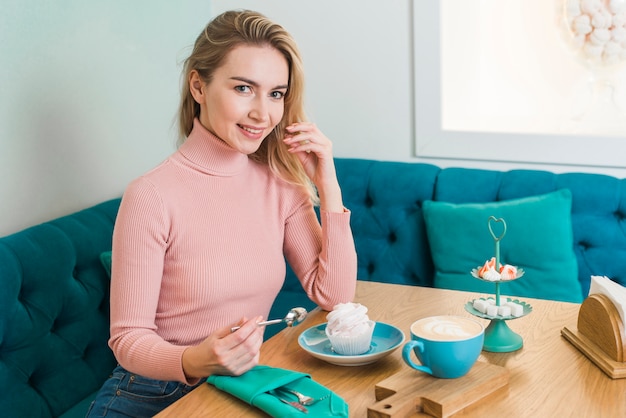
(385, 340)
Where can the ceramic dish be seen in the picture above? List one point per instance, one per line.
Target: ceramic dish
(385, 340)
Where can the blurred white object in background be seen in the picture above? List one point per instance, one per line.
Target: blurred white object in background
(595, 30)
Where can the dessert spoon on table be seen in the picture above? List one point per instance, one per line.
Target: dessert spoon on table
(293, 318)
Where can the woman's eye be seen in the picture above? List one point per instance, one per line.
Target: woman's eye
(277, 95)
(243, 89)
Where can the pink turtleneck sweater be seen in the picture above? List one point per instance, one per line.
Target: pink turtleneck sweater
(199, 243)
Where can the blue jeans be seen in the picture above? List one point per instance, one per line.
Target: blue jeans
(125, 394)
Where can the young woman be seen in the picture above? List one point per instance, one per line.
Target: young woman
(200, 241)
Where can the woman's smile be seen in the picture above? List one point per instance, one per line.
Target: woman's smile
(252, 132)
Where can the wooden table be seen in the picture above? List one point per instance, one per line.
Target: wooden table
(549, 377)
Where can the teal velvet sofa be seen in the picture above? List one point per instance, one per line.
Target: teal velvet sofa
(54, 289)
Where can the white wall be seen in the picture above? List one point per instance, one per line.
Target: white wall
(89, 90)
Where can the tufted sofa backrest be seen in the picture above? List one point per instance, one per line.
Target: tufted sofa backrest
(385, 199)
(54, 320)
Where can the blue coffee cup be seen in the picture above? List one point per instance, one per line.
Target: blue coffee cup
(446, 346)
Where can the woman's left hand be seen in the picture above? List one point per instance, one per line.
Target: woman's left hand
(314, 150)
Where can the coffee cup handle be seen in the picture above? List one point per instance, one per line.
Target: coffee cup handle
(406, 356)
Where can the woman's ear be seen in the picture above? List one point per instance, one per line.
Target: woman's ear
(196, 86)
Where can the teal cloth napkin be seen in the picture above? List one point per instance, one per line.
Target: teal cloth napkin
(257, 386)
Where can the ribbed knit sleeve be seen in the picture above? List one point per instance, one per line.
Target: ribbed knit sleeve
(139, 244)
(323, 259)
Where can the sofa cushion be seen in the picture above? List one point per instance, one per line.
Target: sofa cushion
(539, 239)
(105, 259)
(80, 409)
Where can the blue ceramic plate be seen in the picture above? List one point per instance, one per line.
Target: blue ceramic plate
(385, 340)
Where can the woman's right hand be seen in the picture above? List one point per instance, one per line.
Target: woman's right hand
(225, 352)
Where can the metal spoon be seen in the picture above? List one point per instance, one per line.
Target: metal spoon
(293, 318)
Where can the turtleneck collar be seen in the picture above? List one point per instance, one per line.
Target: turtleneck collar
(210, 154)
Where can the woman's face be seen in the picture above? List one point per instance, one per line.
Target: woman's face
(245, 99)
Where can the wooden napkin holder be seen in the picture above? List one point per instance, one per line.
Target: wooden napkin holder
(600, 335)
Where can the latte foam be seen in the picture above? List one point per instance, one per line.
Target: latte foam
(446, 328)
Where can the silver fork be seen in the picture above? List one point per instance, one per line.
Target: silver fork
(302, 399)
(296, 405)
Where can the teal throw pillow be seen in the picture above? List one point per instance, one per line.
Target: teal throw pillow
(538, 239)
(105, 259)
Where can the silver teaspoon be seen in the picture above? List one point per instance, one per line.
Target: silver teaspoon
(293, 318)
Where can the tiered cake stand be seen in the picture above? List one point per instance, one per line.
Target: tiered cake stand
(499, 338)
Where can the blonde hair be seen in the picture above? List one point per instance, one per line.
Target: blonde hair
(219, 37)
